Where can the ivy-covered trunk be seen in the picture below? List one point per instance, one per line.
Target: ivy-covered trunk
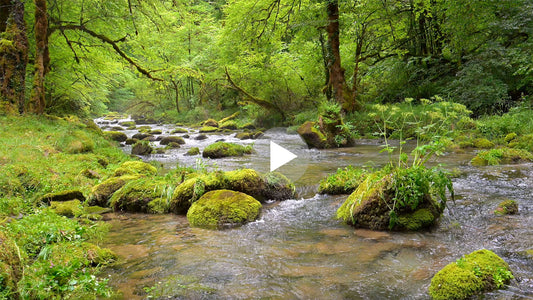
(13, 57)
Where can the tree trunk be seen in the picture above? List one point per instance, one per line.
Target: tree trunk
(336, 72)
(13, 57)
(42, 57)
(177, 91)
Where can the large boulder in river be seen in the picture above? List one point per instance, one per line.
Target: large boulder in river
(312, 135)
(144, 195)
(116, 136)
(472, 274)
(142, 148)
(394, 200)
(210, 123)
(223, 208)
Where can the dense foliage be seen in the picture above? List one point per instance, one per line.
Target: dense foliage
(184, 60)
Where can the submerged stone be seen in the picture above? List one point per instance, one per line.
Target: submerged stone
(223, 208)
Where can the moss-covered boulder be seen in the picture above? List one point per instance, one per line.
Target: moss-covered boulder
(172, 139)
(142, 148)
(223, 149)
(507, 207)
(312, 135)
(192, 189)
(247, 181)
(10, 266)
(193, 151)
(223, 208)
(144, 195)
(70, 209)
(207, 129)
(475, 273)
(127, 123)
(63, 196)
(277, 187)
(230, 125)
(116, 136)
(247, 135)
(482, 143)
(135, 167)
(210, 122)
(179, 130)
(402, 199)
(141, 136)
(344, 181)
(248, 126)
(103, 191)
(501, 156)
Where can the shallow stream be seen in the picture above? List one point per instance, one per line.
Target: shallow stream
(297, 250)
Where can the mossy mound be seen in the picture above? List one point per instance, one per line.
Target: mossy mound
(477, 272)
(135, 168)
(210, 123)
(116, 136)
(103, 191)
(223, 208)
(172, 139)
(179, 130)
(247, 135)
(141, 136)
(272, 186)
(127, 123)
(344, 181)
(223, 149)
(231, 125)
(501, 156)
(142, 148)
(277, 187)
(144, 195)
(507, 207)
(402, 199)
(63, 196)
(207, 129)
(312, 136)
(70, 209)
(193, 151)
(10, 266)
(75, 142)
(482, 143)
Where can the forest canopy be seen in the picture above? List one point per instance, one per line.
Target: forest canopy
(185, 59)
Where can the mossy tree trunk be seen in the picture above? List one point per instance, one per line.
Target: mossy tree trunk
(337, 81)
(13, 56)
(42, 58)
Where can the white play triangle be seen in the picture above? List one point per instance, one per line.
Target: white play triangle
(279, 156)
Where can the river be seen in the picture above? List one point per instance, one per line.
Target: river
(297, 250)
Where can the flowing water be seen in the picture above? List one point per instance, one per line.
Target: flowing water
(297, 250)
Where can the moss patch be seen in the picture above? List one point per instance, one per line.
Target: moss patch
(507, 207)
(142, 195)
(103, 191)
(72, 208)
(10, 265)
(135, 168)
(479, 271)
(221, 208)
(207, 129)
(116, 136)
(193, 151)
(344, 181)
(312, 136)
(501, 156)
(223, 149)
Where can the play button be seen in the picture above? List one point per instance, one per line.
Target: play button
(279, 156)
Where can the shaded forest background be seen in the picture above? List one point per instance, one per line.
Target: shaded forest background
(179, 60)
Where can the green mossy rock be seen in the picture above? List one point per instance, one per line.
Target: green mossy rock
(231, 125)
(477, 272)
(507, 207)
(277, 187)
(63, 196)
(483, 143)
(142, 148)
(127, 124)
(249, 126)
(172, 139)
(135, 168)
(210, 123)
(179, 130)
(501, 156)
(344, 181)
(69, 209)
(10, 266)
(247, 181)
(193, 151)
(155, 131)
(142, 195)
(171, 145)
(192, 189)
(369, 206)
(223, 149)
(103, 191)
(312, 136)
(223, 208)
(116, 136)
(510, 137)
(207, 129)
